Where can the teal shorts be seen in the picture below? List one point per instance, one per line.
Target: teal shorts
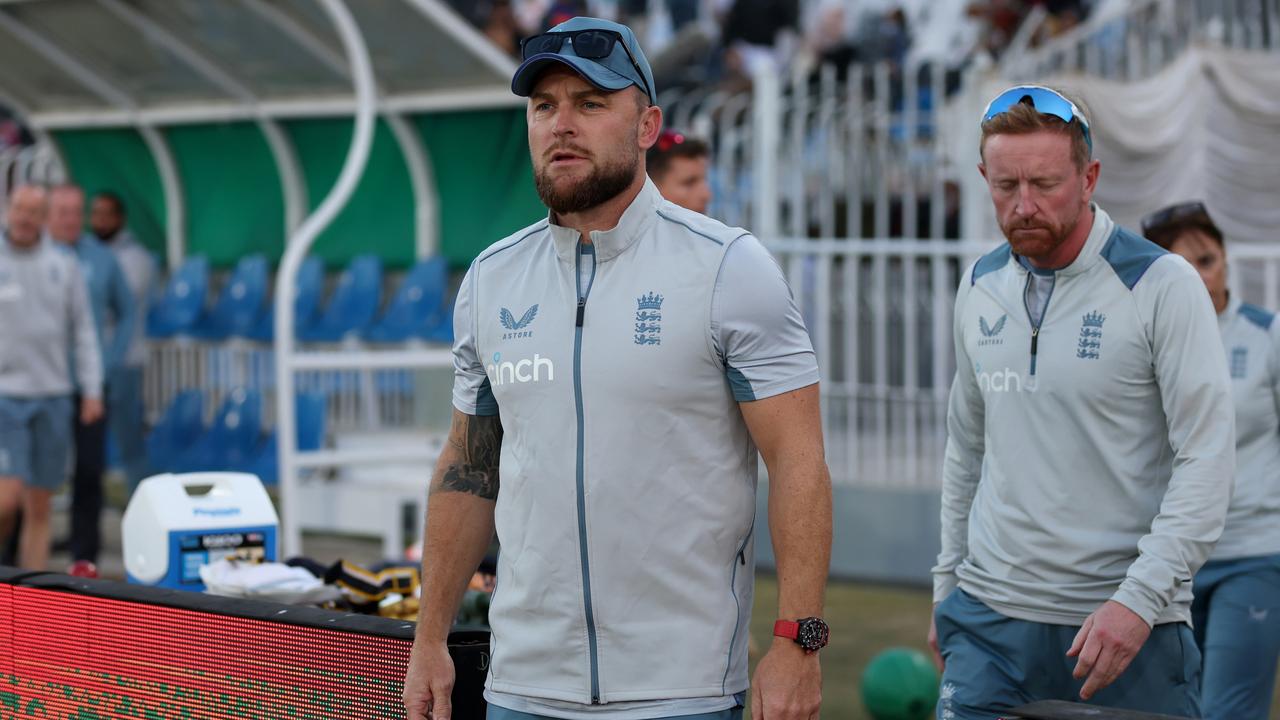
(995, 663)
(35, 440)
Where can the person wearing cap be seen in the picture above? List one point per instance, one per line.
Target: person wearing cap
(617, 366)
(1236, 610)
(1091, 443)
(678, 164)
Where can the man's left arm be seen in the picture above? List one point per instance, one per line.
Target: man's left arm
(787, 429)
(770, 366)
(1190, 370)
(125, 311)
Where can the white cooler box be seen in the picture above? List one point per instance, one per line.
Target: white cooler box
(175, 524)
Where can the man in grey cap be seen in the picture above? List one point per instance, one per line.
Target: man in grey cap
(617, 366)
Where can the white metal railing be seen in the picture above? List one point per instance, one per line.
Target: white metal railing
(372, 398)
(848, 151)
(1139, 38)
(880, 315)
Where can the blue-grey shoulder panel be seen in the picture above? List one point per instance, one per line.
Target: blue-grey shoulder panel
(1130, 254)
(1257, 316)
(991, 262)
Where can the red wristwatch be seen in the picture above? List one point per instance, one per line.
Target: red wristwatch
(809, 633)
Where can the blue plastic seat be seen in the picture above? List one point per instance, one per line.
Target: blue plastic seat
(306, 301)
(239, 306)
(182, 303)
(310, 430)
(353, 304)
(441, 328)
(179, 427)
(232, 438)
(416, 305)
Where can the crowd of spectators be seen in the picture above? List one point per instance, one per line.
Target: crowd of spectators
(711, 43)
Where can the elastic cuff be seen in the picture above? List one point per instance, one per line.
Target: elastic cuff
(1146, 603)
(943, 585)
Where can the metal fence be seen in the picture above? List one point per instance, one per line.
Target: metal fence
(879, 313)
(880, 316)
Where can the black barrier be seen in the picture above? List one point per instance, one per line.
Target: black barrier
(77, 647)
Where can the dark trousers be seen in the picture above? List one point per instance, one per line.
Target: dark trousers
(86, 486)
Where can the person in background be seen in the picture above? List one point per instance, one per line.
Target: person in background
(44, 311)
(113, 316)
(678, 165)
(107, 220)
(1090, 443)
(1236, 610)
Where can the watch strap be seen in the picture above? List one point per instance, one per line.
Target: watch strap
(789, 629)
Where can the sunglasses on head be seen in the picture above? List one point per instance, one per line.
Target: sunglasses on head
(1044, 100)
(587, 44)
(1175, 213)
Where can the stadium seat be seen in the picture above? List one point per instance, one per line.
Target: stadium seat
(306, 300)
(239, 306)
(310, 418)
(232, 438)
(441, 328)
(179, 427)
(353, 304)
(417, 303)
(182, 303)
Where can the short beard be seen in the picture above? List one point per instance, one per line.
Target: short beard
(1039, 247)
(603, 184)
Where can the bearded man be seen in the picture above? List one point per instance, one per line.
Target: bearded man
(617, 366)
(1091, 443)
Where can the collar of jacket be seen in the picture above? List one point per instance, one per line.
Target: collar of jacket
(635, 221)
(1090, 253)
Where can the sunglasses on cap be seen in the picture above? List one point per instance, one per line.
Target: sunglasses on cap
(587, 44)
(1044, 100)
(1193, 209)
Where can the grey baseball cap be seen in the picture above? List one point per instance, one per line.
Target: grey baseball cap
(625, 65)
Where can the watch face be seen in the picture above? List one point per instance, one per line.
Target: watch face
(813, 634)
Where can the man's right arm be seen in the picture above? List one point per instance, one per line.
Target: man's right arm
(464, 488)
(962, 463)
(961, 466)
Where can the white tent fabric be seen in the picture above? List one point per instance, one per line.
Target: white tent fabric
(1208, 127)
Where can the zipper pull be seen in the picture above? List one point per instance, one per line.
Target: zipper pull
(582, 310)
(1035, 339)
(742, 558)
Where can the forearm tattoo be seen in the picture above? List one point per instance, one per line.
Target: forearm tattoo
(477, 442)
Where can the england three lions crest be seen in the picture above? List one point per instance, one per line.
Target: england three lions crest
(1090, 345)
(648, 327)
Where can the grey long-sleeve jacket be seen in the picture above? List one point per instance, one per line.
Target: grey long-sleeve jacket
(1091, 457)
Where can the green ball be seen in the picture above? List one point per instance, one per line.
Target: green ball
(900, 684)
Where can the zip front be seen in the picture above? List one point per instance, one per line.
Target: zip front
(580, 316)
(1035, 326)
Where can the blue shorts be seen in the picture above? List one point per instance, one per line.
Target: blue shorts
(1236, 612)
(995, 663)
(501, 713)
(35, 440)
